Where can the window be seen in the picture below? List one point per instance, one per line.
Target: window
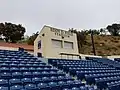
(39, 44)
(68, 45)
(56, 43)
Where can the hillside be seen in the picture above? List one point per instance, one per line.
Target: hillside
(104, 45)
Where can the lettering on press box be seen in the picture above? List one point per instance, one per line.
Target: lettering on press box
(62, 32)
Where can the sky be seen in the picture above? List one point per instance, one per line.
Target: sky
(64, 14)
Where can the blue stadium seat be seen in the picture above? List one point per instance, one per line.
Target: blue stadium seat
(75, 88)
(17, 75)
(16, 87)
(36, 80)
(26, 81)
(14, 69)
(6, 75)
(4, 69)
(36, 74)
(46, 79)
(3, 82)
(32, 69)
(54, 86)
(43, 86)
(30, 87)
(3, 88)
(27, 74)
(15, 82)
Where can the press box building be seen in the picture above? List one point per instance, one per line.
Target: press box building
(56, 43)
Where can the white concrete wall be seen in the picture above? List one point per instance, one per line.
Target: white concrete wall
(8, 48)
(47, 49)
(112, 57)
(83, 56)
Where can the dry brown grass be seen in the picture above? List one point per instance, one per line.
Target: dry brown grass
(105, 45)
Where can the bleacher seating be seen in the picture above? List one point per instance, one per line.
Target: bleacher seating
(22, 71)
(97, 71)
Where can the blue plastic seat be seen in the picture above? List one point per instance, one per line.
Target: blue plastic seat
(32, 69)
(14, 69)
(45, 79)
(36, 74)
(27, 74)
(62, 78)
(6, 75)
(17, 75)
(3, 88)
(28, 65)
(15, 62)
(31, 87)
(75, 88)
(70, 83)
(16, 87)
(83, 88)
(36, 80)
(26, 81)
(4, 65)
(23, 69)
(43, 86)
(66, 89)
(4, 69)
(54, 86)
(13, 65)
(15, 81)
(39, 69)
(3, 82)
(53, 78)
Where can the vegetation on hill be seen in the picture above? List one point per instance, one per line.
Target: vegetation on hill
(105, 44)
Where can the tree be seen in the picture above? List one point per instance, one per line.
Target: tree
(114, 29)
(12, 32)
(32, 38)
(81, 37)
(101, 30)
(94, 32)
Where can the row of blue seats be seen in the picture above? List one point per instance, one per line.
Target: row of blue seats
(16, 57)
(75, 67)
(80, 62)
(85, 70)
(8, 75)
(81, 74)
(55, 61)
(117, 59)
(21, 62)
(67, 69)
(89, 65)
(23, 69)
(108, 62)
(102, 82)
(49, 86)
(114, 85)
(12, 51)
(15, 53)
(90, 79)
(24, 66)
(35, 80)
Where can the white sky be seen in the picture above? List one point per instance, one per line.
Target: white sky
(79, 14)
